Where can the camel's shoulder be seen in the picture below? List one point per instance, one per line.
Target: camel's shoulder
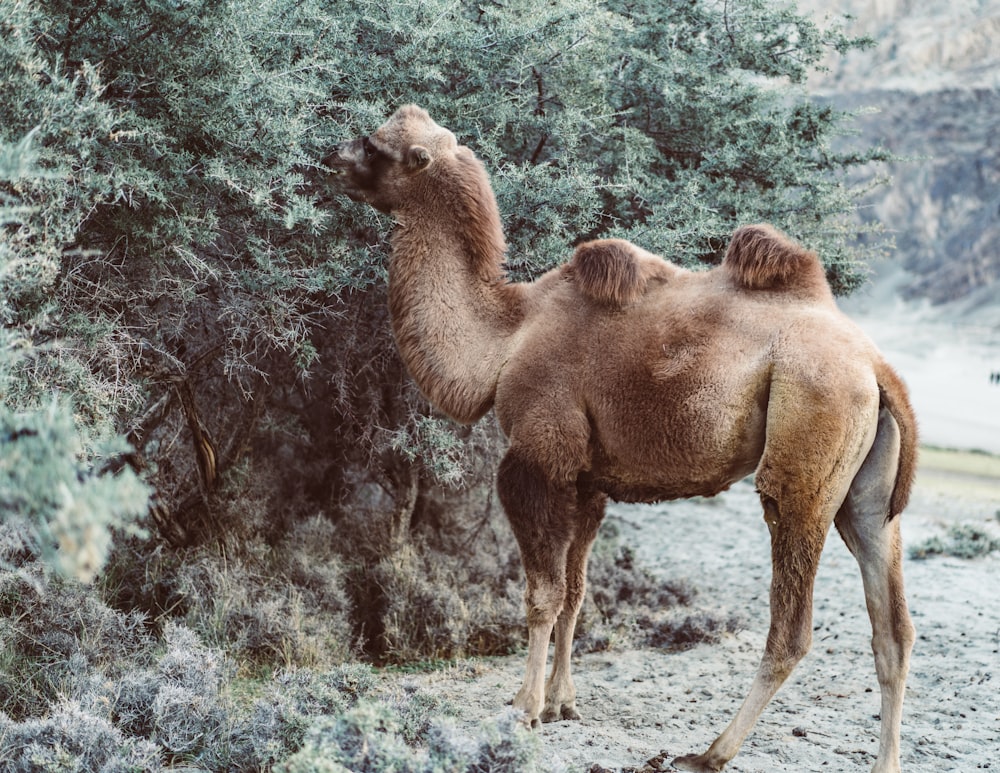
(615, 273)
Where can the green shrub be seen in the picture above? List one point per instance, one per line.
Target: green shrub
(283, 604)
(71, 740)
(55, 481)
(51, 631)
(85, 688)
(52, 485)
(962, 540)
(369, 739)
(170, 272)
(438, 606)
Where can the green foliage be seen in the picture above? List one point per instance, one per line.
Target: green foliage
(176, 218)
(434, 443)
(68, 510)
(51, 481)
(167, 269)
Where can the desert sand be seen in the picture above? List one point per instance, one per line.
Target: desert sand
(638, 705)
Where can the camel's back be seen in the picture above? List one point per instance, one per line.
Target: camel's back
(615, 273)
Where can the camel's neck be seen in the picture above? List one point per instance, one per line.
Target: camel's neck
(453, 313)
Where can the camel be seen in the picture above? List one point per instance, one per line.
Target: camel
(621, 375)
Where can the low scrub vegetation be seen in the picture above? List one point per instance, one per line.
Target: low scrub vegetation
(963, 540)
(84, 686)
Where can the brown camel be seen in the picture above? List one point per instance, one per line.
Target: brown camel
(622, 375)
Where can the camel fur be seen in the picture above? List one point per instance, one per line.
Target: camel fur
(622, 375)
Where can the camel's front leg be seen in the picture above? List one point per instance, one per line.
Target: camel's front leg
(541, 600)
(560, 693)
(540, 514)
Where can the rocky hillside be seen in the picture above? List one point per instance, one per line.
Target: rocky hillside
(934, 77)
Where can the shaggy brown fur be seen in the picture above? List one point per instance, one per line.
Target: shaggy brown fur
(760, 257)
(622, 375)
(615, 273)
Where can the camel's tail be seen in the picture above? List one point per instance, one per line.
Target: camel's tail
(608, 271)
(895, 397)
(760, 257)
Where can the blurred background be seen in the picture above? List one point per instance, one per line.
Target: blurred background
(934, 79)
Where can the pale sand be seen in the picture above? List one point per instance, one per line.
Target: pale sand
(639, 703)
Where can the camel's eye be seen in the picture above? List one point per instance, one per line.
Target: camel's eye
(370, 149)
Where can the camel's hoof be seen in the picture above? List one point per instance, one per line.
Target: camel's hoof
(529, 723)
(696, 763)
(566, 711)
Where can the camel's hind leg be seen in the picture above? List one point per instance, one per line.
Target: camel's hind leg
(560, 693)
(802, 484)
(874, 539)
(795, 552)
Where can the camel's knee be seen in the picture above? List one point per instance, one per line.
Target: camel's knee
(782, 654)
(891, 665)
(544, 601)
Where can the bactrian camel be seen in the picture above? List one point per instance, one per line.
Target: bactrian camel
(622, 375)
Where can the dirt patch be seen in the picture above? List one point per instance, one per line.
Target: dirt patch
(642, 705)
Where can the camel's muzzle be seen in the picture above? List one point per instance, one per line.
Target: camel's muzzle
(354, 169)
(345, 156)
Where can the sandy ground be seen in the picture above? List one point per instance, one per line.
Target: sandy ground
(639, 704)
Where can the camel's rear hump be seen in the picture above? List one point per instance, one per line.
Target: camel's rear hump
(760, 257)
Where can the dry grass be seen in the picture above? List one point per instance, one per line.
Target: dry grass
(976, 463)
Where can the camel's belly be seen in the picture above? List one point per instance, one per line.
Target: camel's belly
(622, 491)
(688, 475)
(671, 444)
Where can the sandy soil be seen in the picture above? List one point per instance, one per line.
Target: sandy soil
(639, 704)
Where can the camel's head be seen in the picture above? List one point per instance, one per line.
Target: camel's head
(381, 169)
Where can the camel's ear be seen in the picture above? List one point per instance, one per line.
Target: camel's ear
(418, 157)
